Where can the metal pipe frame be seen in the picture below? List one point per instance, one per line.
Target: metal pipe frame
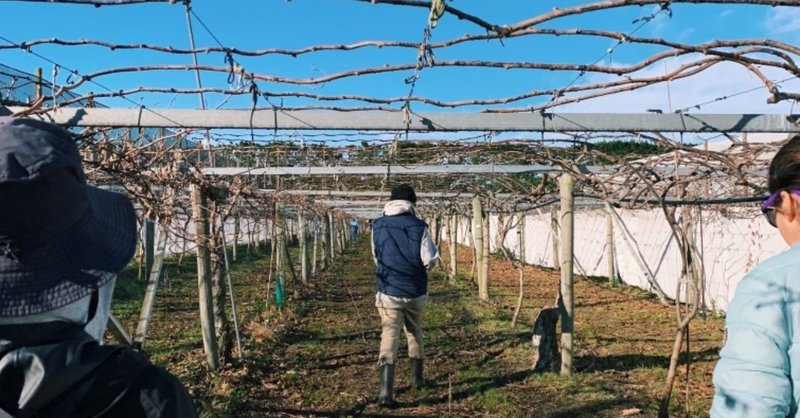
(419, 122)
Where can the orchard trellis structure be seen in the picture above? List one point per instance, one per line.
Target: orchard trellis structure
(335, 239)
(305, 166)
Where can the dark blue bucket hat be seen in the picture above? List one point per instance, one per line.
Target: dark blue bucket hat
(56, 232)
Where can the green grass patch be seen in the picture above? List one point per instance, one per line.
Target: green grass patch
(497, 402)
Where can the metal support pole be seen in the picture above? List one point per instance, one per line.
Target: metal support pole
(207, 144)
(150, 293)
(118, 330)
(232, 296)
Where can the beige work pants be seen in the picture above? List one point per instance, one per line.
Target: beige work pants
(409, 319)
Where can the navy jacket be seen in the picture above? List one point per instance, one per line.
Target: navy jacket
(397, 243)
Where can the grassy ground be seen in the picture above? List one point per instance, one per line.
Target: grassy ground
(317, 356)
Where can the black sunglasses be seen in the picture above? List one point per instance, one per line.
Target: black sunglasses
(771, 214)
(768, 207)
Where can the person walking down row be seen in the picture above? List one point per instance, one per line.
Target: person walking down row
(403, 252)
(62, 243)
(354, 227)
(758, 373)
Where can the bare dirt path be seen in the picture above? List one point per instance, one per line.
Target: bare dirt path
(323, 362)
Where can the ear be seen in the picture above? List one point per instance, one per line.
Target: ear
(789, 206)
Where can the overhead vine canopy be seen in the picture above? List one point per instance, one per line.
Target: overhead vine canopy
(409, 56)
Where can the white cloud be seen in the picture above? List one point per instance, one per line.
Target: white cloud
(684, 35)
(723, 80)
(783, 19)
(660, 23)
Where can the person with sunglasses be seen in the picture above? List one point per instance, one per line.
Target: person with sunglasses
(758, 373)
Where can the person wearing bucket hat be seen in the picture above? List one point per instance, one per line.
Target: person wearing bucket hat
(62, 242)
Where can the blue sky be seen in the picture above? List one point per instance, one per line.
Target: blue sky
(259, 24)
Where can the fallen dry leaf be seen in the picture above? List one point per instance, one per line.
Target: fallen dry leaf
(631, 412)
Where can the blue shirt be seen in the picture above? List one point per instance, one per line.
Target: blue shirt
(759, 367)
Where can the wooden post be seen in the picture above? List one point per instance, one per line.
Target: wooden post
(232, 295)
(343, 235)
(340, 239)
(149, 245)
(499, 232)
(222, 325)
(477, 235)
(301, 235)
(200, 214)
(487, 241)
(249, 236)
(332, 231)
(610, 252)
(692, 266)
(453, 246)
(328, 239)
(278, 241)
(315, 227)
(554, 233)
(567, 235)
(521, 239)
(38, 88)
(434, 229)
(283, 239)
(264, 237)
(235, 250)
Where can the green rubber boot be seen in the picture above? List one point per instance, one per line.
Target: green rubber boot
(417, 382)
(386, 377)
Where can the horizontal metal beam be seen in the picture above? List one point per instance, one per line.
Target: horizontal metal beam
(98, 3)
(423, 122)
(395, 169)
(352, 203)
(385, 194)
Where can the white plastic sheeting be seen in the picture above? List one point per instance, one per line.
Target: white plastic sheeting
(730, 243)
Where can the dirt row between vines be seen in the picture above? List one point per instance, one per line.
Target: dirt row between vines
(317, 356)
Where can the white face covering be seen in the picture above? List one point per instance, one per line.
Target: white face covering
(77, 312)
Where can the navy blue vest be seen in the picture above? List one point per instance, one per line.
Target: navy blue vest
(397, 240)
